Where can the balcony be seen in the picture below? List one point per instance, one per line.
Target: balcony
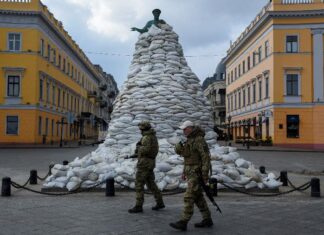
(103, 87)
(103, 104)
(92, 94)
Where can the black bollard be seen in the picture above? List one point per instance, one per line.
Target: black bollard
(262, 170)
(284, 178)
(65, 162)
(33, 177)
(6, 187)
(110, 187)
(315, 187)
(213, 186)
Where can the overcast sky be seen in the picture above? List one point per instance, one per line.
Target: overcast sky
(205, 28)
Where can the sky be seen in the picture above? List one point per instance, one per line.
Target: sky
(205, 27)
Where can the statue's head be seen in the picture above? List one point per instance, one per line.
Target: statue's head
(156, 13)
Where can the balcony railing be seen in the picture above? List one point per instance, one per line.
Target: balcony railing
(297, 1)
(17, 1)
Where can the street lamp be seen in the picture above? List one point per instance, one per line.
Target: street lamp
(61, 123)
(229, 118)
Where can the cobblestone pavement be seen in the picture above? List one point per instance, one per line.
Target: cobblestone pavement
(93, 213)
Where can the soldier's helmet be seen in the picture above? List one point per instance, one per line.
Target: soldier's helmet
(144, 125)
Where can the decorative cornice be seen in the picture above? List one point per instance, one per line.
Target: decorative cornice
(265, 18)
(59, 34)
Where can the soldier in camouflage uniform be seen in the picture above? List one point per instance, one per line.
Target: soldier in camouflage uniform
(196, 164)
(146, 150)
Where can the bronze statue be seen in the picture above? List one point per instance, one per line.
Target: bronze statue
(156, 22)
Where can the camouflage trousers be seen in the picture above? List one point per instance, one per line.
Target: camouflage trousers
(194, 195)
(146, 176)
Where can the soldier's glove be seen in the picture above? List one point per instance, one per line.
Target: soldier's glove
(183, 176)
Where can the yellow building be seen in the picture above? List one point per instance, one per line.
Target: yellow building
(275, 75)
(45, 78)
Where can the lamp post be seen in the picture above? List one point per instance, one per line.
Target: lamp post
(244, 131)
(61, 123)
(229, 118)
(259, 125)
(248, 125)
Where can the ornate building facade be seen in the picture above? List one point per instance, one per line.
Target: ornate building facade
(275, 79)
(49, 89)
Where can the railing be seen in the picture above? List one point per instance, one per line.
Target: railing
(18, 1)
(297, 1)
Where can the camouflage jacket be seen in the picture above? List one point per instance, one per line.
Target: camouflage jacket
(147, 149)
(195, 151)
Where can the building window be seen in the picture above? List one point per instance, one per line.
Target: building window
(14, 41)
(260, 54)
(292, 84)
(239, 100)
(13, 87)
(249, 95)
(63, 99)
(239, 70)
(53, 127)
(232, 76)
(54, 56)
(235, 101)
(266, 49)
(64, 65)
(68, 68)
(12, 125)
(243, 97)
(254, 56)
(47, 92)
(232, 107)
(260, 90)
(58, 97)
(235, 73)
(46, 126)
(42, 47)
(49, 52)
(292, 126)
(53, 95)
(41, 84)
(267, 88)
(59, 61)
(40, 125)
(292, 44)
(243, 66)
(249, 63)
(254, 93)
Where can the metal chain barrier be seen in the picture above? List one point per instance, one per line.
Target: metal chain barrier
(44, 178)
(78, 190)
(300, 188)
(294, 187)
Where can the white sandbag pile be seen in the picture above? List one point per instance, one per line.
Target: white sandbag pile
(162, 89)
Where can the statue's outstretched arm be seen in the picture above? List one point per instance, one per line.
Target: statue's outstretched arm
(137, 29)
(143, 30)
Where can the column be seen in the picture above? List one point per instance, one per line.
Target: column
(318, 65)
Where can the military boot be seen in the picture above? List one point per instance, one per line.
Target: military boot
(136, 209)
(158, 206)
(180, 225)
(206, 223)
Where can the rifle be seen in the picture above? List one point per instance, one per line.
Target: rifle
(208, 193)
(135, 155)
(131, 156)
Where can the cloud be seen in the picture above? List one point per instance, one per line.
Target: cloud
(205, 27)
